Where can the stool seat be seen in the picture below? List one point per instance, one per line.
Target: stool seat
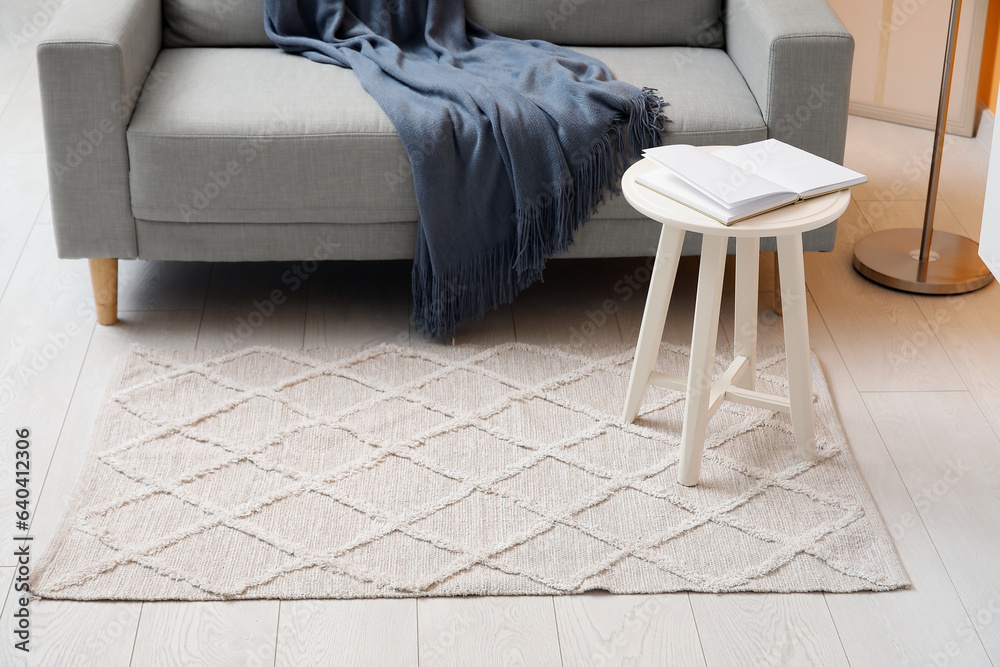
(798, 218)
(704, 396)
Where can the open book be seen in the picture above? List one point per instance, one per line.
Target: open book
(738, 182)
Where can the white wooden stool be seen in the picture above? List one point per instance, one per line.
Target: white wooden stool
(737, 384)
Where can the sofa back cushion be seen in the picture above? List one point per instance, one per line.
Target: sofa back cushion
(214, 23)
(604, 22)
(570, 22)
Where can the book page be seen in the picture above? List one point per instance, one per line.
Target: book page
(793, 168)
(668, 184)
(719, 179)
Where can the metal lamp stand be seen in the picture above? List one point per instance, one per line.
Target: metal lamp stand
(920, 260)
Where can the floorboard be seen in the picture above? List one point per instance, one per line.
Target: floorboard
(949, 459)
(968, 325)
(45, 332)
(355, 304)
(162, 286)
(348, 633)
(206, 634)
(10, 656)
(20, 36)
(488, 631)
(22, 192)
(597, 628)
(21, 121)
(495, 327)
(628, 282)
(875, 328)
(254, 303)
(571, 306)
(769, 629)
(912, 626)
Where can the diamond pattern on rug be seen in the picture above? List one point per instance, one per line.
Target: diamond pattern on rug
(248, 425)
(389, 471)
(175, 397)
(244, 563)
(312, 521)
(577, 553)
(146, 519)
(395, 419)
(539, 422)
(395, 487)
(167, 459)
(784, 514)
(263, 370)
(552, 486)
(632, 512)
(317, 451)
(604, 451)
(482, 522)
(327, 395)
(472, 454)
(233, 485)
(466, 390)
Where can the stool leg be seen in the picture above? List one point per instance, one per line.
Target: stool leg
(796, 323)
(661, 284)
(699, 384)
(777, 286)
(747, 277)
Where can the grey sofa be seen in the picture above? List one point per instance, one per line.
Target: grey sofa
(176, 131)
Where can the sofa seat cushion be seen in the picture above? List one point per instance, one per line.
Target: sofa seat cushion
(257, 135)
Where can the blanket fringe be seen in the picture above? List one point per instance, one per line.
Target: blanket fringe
(545, 227)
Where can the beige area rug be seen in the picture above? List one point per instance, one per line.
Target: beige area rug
(394, 471)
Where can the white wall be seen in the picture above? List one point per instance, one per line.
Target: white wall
(989, 238)
(899, 53)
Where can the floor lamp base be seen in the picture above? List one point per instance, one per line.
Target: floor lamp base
(890, 258)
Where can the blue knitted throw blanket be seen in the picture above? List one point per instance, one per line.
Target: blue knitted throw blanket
(512, 143)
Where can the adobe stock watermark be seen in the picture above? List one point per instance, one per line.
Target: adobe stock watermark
(445, 641)
(756, 157)
(37, 354)
(927, 331)
(35, 361)
(223, 8)
(32, 26)
(636, 621)
(786, 126)
(403, 173)
(561, 14)
(930, 495)
(915, 168)
(966, 631)
(119, 628)
(293, 279)
(902, 12)
(217, 181)
(91, 139)
(8, 393)
(709, 35)
(625, 288)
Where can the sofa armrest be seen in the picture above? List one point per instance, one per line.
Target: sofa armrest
(92, 64)
(796, 56)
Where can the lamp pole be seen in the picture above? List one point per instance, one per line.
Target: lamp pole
(922, 260)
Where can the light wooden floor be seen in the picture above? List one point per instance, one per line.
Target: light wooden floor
(916, 381)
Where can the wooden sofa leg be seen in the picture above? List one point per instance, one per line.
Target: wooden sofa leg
(104, 279)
